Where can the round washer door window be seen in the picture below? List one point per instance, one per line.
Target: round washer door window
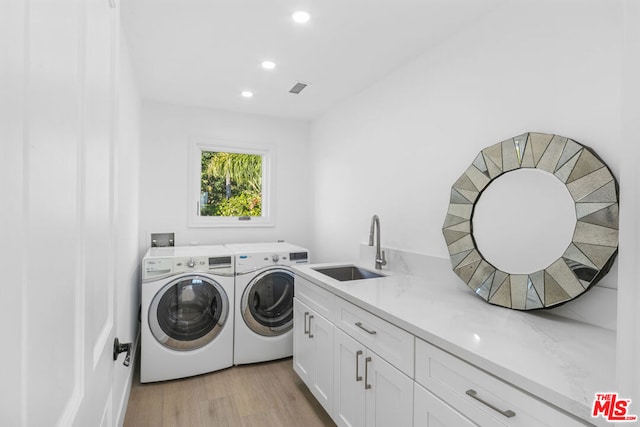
(267, 303)
(188, 313)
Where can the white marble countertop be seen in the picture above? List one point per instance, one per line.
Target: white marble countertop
(561, 361)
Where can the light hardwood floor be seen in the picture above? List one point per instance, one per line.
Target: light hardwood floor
(264, 394)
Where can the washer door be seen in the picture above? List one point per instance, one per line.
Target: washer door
(189, 312)
(267, 302)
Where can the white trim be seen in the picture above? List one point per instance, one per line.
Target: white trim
(268, 152)
(24, 243)
(628, 344)
(77, 396)
(124, 401)
(106, 419)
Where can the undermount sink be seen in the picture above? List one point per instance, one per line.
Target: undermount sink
(348, 272)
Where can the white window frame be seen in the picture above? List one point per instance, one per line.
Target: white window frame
(197, 146)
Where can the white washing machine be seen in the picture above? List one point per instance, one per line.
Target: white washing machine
(264, 300)
(187, 312)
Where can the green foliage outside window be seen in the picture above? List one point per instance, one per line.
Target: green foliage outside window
(231, 184)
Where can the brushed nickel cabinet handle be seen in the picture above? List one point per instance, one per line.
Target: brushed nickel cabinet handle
(310, 334)
(359, 325)
(358, 354)
(306, 316)
(367, 386)
(474, 394)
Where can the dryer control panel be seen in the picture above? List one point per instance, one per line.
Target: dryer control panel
(204, 264)
(156, 268)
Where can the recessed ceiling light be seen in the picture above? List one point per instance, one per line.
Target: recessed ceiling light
(246, 93)
(268, 65)
(301, 16)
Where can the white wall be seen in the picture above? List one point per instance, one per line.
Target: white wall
(128, 252)
(396, 148)
(12, 187)
(166, 133)
(628, 345)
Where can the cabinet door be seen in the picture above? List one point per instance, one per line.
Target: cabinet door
(389, 398)
(349, 396)
(302, 345)
(429, 411)
(321, 339)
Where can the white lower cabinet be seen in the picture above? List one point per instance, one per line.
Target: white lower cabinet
(368, 391)
(429, 411)
(361, 368)
(313, 352)
(481, 397)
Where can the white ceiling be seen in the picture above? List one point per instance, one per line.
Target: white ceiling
(205, 52)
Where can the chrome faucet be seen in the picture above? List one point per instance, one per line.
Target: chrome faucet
(380, 260)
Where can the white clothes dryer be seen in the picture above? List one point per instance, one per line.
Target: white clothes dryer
(186, 312)
(264, 300)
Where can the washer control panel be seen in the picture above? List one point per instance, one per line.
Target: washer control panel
(252, 261)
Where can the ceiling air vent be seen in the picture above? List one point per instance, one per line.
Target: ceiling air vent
(298, 87)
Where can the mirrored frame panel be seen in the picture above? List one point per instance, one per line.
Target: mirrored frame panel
(593, 247)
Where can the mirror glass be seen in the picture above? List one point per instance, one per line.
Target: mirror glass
(524, 221)
(533, 222)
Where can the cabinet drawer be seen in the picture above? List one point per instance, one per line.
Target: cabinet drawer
(453, 380)
(316, 298)
(429, 411)
(393, 344)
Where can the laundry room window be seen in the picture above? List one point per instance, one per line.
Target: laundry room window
(230, 185)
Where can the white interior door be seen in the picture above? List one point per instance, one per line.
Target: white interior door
(97, 308)
(58, 164)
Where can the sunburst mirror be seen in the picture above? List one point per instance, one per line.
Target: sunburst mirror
(553, 228)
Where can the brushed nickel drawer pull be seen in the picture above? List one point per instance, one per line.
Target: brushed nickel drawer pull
(367, 386)
(310, 334)
(306, 316)
(474, 394)
(359, 325)
(358, 354)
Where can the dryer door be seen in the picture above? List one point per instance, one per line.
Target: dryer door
(189, 312)
(267, 302)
